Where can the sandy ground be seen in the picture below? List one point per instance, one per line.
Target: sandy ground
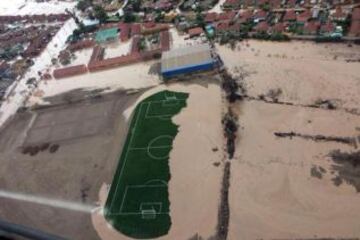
(134, 76)
(195, 182)
(56, 192)
(117, 49)
(23, 7)
(181, 40)
(81, 57)
(304, 71)
(273, 194)
(217, 7)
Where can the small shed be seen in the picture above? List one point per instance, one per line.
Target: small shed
(194, 32)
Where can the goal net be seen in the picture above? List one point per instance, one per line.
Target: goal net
(148, 214)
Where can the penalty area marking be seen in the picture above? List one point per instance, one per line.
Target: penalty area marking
(163, 102)
(134, 187)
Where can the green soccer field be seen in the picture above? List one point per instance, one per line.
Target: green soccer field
(138, 201)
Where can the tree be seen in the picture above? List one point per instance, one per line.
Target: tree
(136, 4)
(129, 17)
(100, 13)
(200, 19)
(82, 5)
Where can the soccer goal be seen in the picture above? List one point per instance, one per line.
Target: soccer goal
(148, 214)
(170, 96)
(150, 209)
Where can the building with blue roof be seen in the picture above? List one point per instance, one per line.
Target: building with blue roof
(186, 60)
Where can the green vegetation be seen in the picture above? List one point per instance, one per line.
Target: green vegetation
(271, 37)
(100, 13)
(138, 202)
(328, 39)
(82, 5)
(129, 17)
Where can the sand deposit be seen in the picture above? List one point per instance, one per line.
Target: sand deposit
(284, 188)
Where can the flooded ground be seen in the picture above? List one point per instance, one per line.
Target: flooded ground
(293, 177)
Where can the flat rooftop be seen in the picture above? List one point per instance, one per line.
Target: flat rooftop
(186, 56)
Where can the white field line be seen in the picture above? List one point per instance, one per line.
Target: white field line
(127, 151)
(145, 148)
(150, 203)
(137, 213)
(136, 186)
(123, 199)
(147, 115)
(147, 186)
(50, 202)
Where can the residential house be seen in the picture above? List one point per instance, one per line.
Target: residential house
(232, 4)
(260, 15)
(275, 3)
(327, 28)
(195, 32)
(290, 16)
(355, 23)
(278, 28)
(248, 3)
(291, 3)
(221, 27)
(227, 27)
(163, 5)
(211, 17)
(245, 16)
(303, 17)
(338, 15)
(262, 27)
(311, 28)
(227, 15)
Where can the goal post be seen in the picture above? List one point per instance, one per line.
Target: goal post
(148, 214)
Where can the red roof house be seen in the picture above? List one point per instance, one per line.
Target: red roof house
(262, 27)
(278, 27)
(327, 27)
(227, 15)
(260, 15)
(193, 32)
(275, 3)
(245, 16)
(290, 15)
(124, 31)
(338, 15)
(311, 27)
(304, 16)
(232, 4)
(211, 17)
(135, 29)
(355, 23)
(291, 3)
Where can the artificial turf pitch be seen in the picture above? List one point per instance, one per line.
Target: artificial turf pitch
(138, 201)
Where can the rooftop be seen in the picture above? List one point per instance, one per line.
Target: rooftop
(185, 56)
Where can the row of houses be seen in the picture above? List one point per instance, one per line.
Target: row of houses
(41, 18)
(281, 4)
(312, 21)
(28, 42)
